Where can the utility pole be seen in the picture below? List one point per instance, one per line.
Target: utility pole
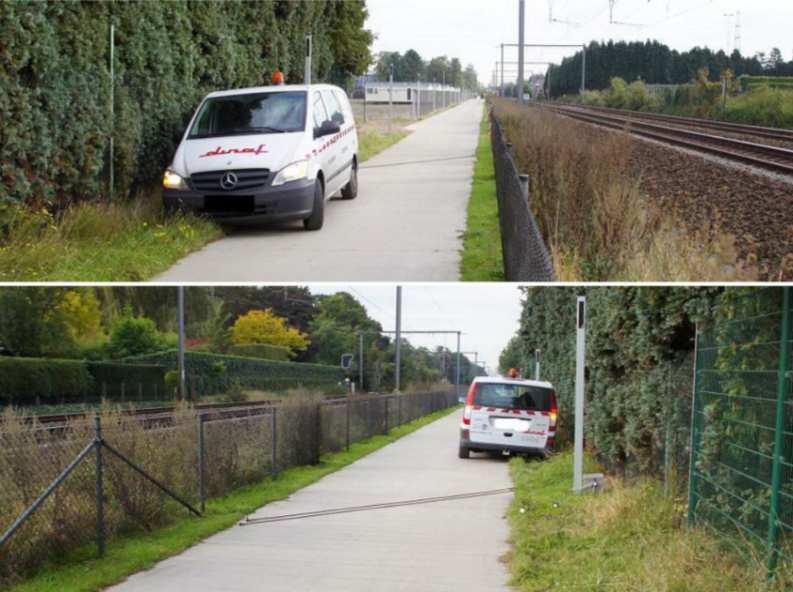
(501, 86)
(580, 347)
(457, 373)
(307, 75)
(111, 182)
(391, 91)
(521, 44)
(360, 361)
(397, 371)
(180, 353)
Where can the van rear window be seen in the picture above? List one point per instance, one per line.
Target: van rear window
(513, 396)
(256, 113)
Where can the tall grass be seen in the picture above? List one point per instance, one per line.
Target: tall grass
(93, 241)
(592, 214)
(628, 538)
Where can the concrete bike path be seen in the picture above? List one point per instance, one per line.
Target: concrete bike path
(405, 224)
(445, 546)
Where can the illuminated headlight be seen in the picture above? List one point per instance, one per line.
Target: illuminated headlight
(173, 181)
(293, 172)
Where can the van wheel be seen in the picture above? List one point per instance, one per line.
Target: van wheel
(463, 452)
(317, 217)
(350, 190)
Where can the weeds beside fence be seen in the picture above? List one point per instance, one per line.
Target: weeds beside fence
(741, 476)
(120, 474)
(525, 255)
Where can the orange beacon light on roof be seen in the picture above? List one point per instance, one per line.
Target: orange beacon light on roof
(278, 77)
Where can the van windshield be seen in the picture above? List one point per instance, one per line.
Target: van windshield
(513, 396)
(256, 113)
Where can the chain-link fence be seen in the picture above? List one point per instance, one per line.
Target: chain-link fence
(741, 476)
(525, 255)
(65, 487)
(410, 101)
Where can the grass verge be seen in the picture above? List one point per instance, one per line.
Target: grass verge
(481, 257)
(124, 241)
(631, 537)
(82, 572)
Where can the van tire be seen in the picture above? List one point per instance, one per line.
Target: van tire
(463, 452)
(317, 217)
(350, 190)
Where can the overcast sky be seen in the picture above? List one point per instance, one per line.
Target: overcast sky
(487, 314)
(473, 29)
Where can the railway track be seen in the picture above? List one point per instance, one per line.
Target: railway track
(773, 158)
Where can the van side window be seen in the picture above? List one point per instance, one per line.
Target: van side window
(319, 111)
(344, 102)
(336, 113)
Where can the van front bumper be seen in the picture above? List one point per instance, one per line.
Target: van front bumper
(291, 201)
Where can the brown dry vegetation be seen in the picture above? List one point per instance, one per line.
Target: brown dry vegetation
(593, 214)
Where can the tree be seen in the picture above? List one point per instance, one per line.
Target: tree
(263, 326)
(82, 314)
(412, 66)
(31, 324)
(135, 336)
(438, 70)
(511, 356)
(470, 78)
(385, 62)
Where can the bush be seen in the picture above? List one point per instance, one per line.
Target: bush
(115, 380)
(766, 106)
(133, 336)
(23, 380)
(168, 55)
(262, 351)
(206, 378)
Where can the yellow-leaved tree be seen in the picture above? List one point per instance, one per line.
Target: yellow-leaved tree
(82, 314)
(263, 326)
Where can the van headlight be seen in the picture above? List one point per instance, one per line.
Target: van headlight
(173, 180)
(293, 172)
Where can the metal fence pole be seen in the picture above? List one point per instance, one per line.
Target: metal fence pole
(692, 471)
(100, 494)
(347, 427)
(386, 415)
(776, 474)
(274, 436)
(201, 486)
(318, 447)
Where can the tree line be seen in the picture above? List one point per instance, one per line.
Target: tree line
(656, 63)
(112, 323)
(410, 67)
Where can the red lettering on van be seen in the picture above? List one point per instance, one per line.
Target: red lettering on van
(219, 151)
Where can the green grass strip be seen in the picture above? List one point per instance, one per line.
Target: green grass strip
(127, 555)
(372, 142)
(481, 256)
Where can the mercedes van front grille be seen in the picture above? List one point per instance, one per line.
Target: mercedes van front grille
(239, 180)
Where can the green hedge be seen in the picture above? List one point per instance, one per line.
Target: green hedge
(115, 380)
(783, 82)
(54, 68)
(214, 373)
(262, 351)
(23, 380)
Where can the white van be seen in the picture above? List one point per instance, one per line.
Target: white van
(509, 415)
(266, 154)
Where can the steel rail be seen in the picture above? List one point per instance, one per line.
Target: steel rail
(716, 145)
(773, 133)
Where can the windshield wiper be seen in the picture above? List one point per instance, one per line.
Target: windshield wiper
(264, 130)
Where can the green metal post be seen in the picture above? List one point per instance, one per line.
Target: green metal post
(781, 393)
(695, 419)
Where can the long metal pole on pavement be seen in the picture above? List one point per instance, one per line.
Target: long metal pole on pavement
(521, 44)
(307, 72)
(580, 347)
(397, 370)
(180, 354)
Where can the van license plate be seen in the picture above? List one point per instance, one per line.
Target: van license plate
(515, 425)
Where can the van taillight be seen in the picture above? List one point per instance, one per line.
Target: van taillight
(554, 412)
(469, 403)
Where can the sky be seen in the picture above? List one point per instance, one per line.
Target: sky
(487, 314)
(473, 29)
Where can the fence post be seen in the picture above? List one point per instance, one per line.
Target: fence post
(100, 495)
(399, 410)
(525, 185)
(781, 393)
(201, 486)
(274, 437)
(695, 419)
(386, 415)
(318, 420)
(347, 427)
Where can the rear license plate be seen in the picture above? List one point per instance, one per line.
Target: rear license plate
(513, 425)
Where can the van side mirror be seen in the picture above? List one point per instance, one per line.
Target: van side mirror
(328, 128)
